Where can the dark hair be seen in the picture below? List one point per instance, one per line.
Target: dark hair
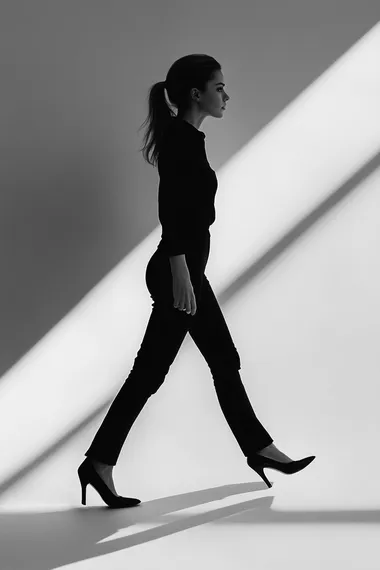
(190, 71)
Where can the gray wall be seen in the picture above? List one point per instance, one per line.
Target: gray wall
(76, 195)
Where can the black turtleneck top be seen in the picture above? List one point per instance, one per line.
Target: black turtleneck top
(186, 192)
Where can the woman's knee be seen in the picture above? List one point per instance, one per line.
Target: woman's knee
(225, 361)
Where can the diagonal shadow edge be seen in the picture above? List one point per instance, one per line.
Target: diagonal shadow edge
(287, 240)
(300, 228)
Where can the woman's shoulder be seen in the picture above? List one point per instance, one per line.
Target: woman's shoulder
(174, 137)
(174, 128)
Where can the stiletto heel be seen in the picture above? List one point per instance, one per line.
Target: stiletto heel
(260, 471)
(84, 487)
(257, 462)
(88, 476)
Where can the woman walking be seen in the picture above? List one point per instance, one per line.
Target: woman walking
(183, 299)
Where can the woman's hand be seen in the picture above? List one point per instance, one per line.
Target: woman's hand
(183, 293)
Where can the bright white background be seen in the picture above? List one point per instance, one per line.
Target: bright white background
(294, 263)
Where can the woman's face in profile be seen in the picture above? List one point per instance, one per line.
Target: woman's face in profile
(215, 96)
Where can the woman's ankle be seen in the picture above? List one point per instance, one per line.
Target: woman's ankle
(269, 447)
(100, 464)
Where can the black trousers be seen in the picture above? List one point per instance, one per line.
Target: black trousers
(165, 332)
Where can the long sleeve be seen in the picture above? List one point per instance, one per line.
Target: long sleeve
(186, 191)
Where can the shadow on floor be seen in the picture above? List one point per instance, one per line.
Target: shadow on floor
(47, 540)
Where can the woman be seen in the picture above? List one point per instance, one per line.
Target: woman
(183, 299)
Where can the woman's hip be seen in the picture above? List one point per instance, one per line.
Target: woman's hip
(159, 278)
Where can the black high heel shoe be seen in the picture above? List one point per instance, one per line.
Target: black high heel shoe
(88, 475)
(258, 462)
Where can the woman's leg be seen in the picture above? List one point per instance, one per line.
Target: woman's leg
(210, 333)
(165, 332)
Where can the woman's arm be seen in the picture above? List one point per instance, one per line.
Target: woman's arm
(178, 265)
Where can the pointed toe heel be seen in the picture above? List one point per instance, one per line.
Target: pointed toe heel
(89, 476)
(257, 462)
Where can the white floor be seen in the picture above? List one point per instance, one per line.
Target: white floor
(219, 515)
